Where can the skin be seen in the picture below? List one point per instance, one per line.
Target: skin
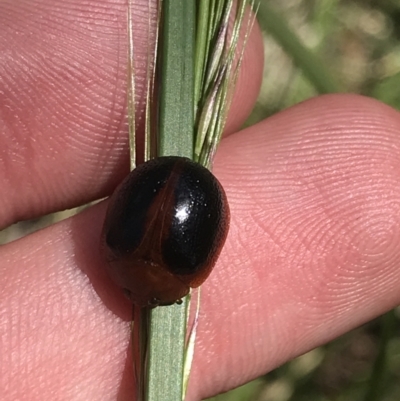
(314, 192)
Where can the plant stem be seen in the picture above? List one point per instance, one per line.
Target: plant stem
(164, 328)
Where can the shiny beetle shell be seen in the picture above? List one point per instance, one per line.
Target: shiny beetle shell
(164, 230)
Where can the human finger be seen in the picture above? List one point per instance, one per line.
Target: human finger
(312, 252)
(63, 79)
(313, 249)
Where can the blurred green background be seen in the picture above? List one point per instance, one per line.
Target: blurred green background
(322, 46)
(313, 47)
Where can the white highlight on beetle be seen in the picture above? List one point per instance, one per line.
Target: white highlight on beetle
(182, 212)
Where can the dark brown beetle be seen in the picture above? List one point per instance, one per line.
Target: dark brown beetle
(164, 230)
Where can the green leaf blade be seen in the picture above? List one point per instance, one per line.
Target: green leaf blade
(176, 113)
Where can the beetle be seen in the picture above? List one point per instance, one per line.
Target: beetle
(164, 229)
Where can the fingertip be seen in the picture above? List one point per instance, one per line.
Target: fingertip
(313, 247)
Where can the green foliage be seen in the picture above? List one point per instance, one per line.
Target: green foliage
(315, 47)
(188, 99)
